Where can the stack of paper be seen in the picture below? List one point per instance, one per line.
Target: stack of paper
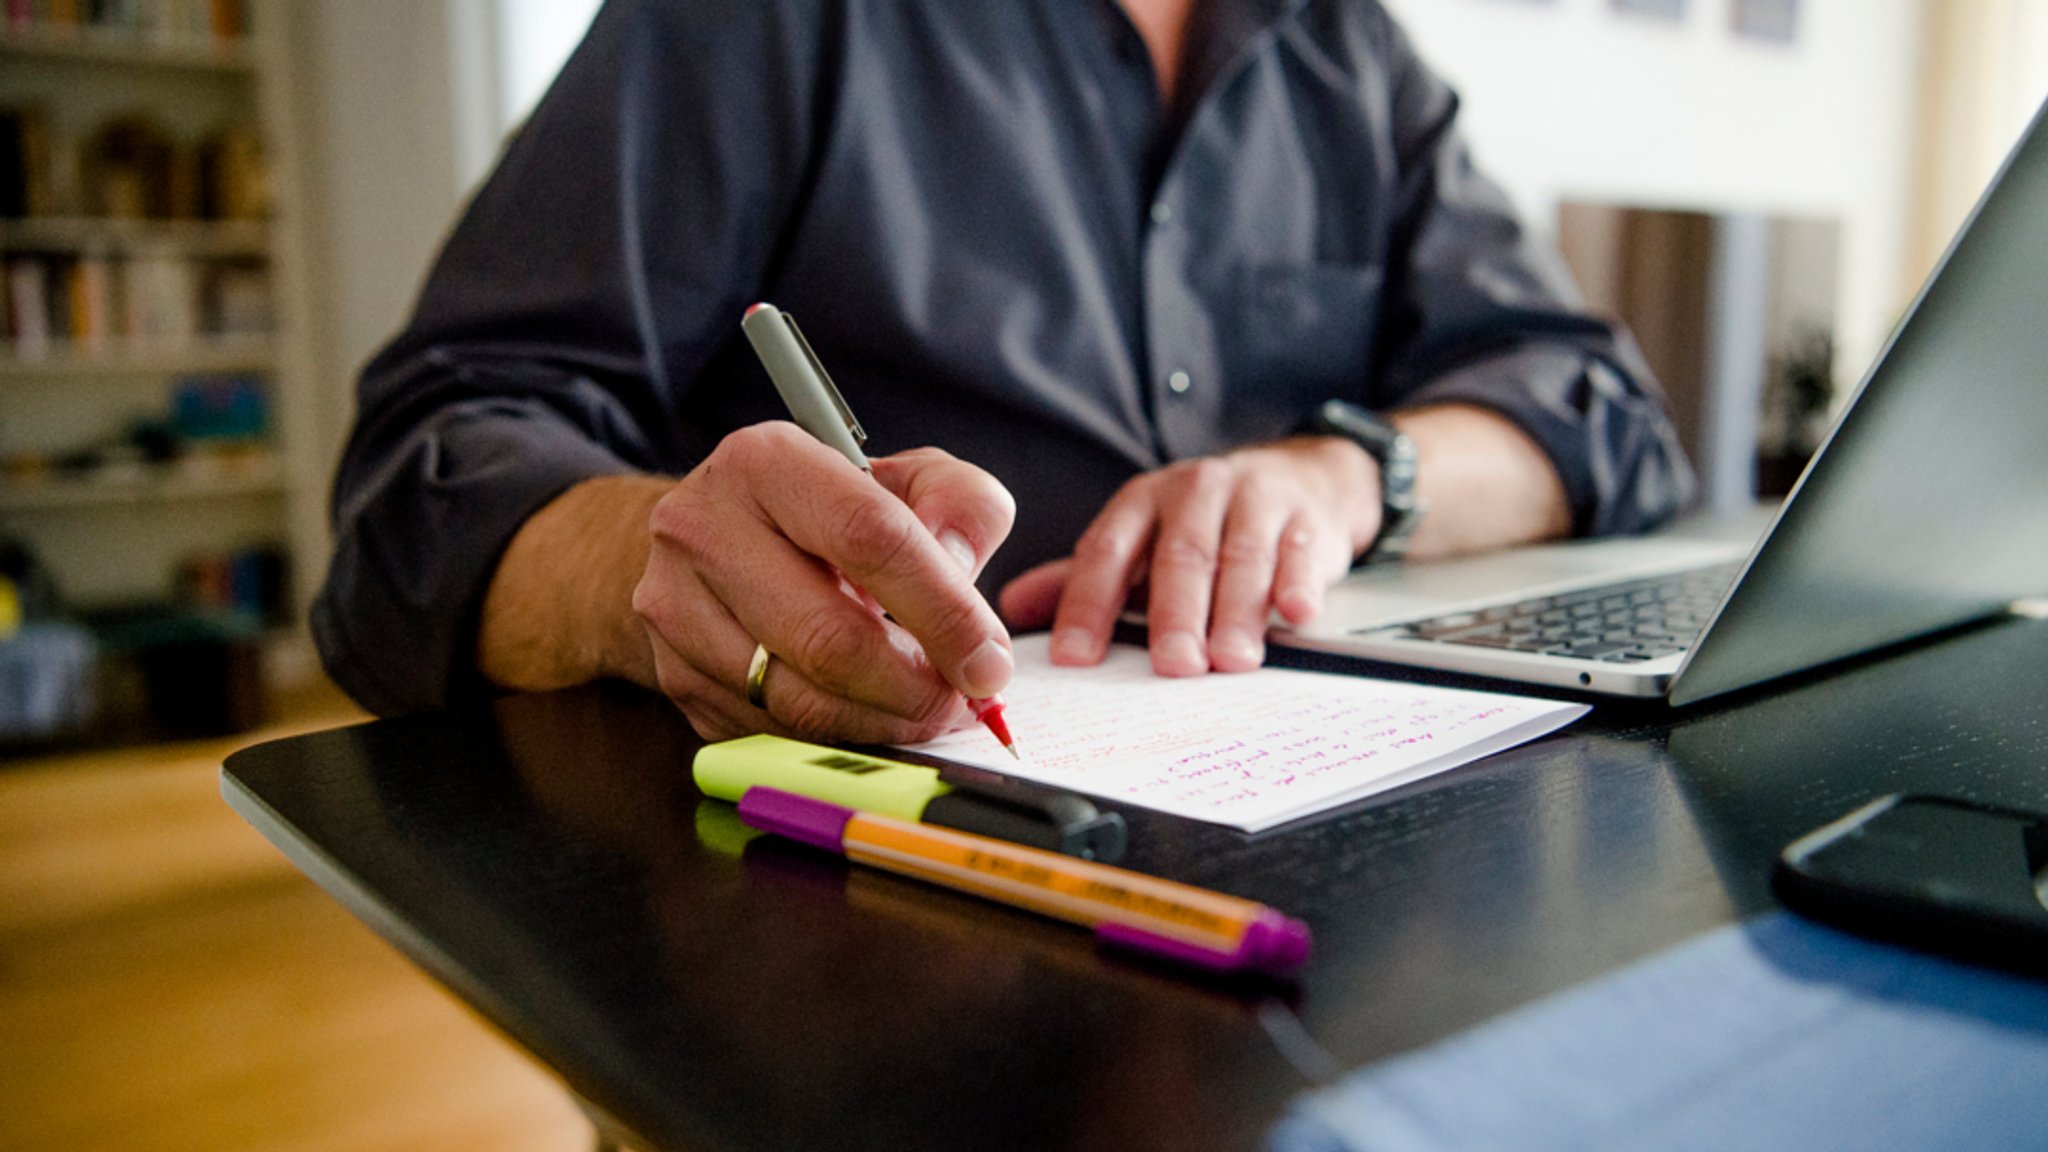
(1249, 750)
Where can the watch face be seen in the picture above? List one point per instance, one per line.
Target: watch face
(1395, 454)
(1397, 470)
(1397, 527)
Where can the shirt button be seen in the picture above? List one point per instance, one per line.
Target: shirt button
(1162, 213)
(1179, 382)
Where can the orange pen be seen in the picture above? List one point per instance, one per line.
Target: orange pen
(1126, 909)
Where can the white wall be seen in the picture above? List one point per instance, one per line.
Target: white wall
(534, 38)
(404, 106)
(1571, 99)
(384, 163)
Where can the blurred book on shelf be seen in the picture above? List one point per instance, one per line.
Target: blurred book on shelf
(160, 303)
(134, 170)
(155, 19)
(94, 304)
(28, 308)
(236, 300)
(248, 581)
(25, 157)
(131, 239)
(234, 179)
(130, 166)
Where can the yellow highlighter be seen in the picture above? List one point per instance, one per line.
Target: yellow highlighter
(955, 796)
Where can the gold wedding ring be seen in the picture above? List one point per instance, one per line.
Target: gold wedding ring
(757, 677)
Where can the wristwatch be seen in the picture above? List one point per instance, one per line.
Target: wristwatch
(1400, 511)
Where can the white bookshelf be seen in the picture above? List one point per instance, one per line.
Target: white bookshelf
(118, 534)
(199, 239)
(127, 49)
(205, 357)
(177, 483)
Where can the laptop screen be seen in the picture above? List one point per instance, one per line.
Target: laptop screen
(1928, 505)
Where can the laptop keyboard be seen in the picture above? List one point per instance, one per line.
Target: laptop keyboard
(1625, 623)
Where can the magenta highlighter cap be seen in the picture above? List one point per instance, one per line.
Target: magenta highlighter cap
(1273, 944)
(800, 818)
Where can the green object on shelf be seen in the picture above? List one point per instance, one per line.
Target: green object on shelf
(10, 608)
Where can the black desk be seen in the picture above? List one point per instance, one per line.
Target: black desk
(548, 858)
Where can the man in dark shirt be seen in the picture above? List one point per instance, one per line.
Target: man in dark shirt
(1113, 253)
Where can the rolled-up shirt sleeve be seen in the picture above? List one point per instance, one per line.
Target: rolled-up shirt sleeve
(588, 272)
(1482, 314)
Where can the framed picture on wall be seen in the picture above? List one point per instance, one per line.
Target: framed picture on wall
(1773, 20)
(1660, 9)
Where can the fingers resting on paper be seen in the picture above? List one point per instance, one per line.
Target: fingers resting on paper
(1219, 544)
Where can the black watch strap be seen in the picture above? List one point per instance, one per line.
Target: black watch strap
(1400, 511)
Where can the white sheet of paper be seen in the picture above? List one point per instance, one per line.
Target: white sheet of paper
(1250, 750)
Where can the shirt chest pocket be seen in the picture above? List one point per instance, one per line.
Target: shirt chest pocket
(1298, 335)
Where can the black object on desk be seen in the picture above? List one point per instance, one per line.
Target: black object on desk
(1963, 880)
(1013, 808)
(548, 858)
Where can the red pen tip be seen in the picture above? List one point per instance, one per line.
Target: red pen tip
(990, 713)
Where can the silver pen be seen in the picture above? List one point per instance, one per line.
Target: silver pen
(807, 390)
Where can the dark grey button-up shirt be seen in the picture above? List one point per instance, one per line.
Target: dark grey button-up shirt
(999, 240)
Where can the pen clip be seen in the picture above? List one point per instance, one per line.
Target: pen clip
(860, 436)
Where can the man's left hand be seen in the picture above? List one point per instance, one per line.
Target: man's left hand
(1223, 541)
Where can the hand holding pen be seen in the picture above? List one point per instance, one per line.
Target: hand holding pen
(750, 553)
(817, 407)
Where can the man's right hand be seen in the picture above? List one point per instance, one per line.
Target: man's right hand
(776, 539)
